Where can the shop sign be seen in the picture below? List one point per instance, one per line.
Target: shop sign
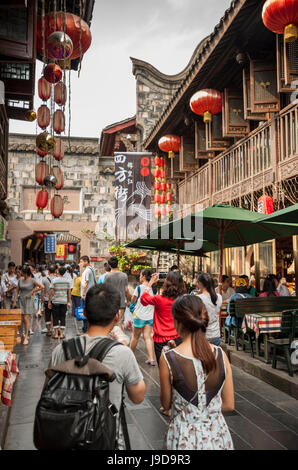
(60, 252)
(50, 244)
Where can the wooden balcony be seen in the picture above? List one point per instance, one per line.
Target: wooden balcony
(267, 155)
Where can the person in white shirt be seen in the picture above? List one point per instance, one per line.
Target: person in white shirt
(213, 303)
(9, 284)
(227, 290)
(282, 288)
(143, 317)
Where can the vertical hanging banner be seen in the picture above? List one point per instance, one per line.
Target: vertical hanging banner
(133, 181)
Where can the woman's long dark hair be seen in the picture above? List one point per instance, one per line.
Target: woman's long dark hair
(70, 270)
(269, 286)
(190, 313)
(173, 286)
(27, 271)
(207, 281)
(147, 273)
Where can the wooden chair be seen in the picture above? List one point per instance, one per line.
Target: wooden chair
(14, 315)
(8, 335)
(289, 327)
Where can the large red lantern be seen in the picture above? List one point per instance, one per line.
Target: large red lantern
(43, 116)
(53, 73)
(206, 103)
(58, 121)
(57, 172)
(281, 17)
(76, 28)
(170, 144)
(265, 205)
(44, 89)
(42, 200)
(58, 152)
(157, 185)
(57, 206)
(60, 93)
(40, 153)
(157, 198)
(41, 171)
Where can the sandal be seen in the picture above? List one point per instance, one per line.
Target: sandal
(49, 333)
(165, 412)
(26, 341)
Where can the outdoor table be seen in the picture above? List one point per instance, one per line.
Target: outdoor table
(264, 324)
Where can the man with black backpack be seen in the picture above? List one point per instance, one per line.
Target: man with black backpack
(81, 406)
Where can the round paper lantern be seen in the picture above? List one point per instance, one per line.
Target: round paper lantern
(57, 172)
(58, 121)
(42, 200)
(157, 198)
(59, 46)
(43, 116)
(206, 103)
(163, 186)
(170, 144)
(44, 89)
(157, 185)
(58, 153)
(50, 181)
(281, 17)
(156, 173)
(74, 27)
(41, 171)
(60, 93)
(57, 206)
(53, 73)
(45, 142)
(30, 115)
(265, 205)
(162, 198)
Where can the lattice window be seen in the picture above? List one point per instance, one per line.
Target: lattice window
(15, 71)
(18, 104)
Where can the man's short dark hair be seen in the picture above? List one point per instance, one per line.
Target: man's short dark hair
(11, 264)
(225, 277)
(113, 262)
(52, 268)
(62, 271)
(102, 304)
(85, 258)
(174, 268)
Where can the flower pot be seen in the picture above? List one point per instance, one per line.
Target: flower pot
(136, 273)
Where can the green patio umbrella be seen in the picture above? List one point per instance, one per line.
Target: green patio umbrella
(285, 216)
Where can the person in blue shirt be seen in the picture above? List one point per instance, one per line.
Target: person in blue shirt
(242, 292)
(102, 278)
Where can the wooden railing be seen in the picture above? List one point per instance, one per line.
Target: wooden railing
(267, 154)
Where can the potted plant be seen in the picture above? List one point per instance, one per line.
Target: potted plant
(117, 250)
(138, 268)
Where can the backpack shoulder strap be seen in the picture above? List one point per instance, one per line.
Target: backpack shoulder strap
(72, 348)
(102, 347)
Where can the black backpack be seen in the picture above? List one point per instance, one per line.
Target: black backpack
(74, 411)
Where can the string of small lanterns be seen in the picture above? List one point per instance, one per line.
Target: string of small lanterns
(61, 37)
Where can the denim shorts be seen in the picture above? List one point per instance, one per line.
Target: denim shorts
(138, 323)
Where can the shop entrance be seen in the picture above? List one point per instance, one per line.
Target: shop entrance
(68, 248)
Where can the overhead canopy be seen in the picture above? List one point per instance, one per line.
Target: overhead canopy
(171, 246)
(285, 216)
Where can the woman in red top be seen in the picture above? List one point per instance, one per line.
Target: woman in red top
(269, 288)
(163, 323)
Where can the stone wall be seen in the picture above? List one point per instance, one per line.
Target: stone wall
(91, 177)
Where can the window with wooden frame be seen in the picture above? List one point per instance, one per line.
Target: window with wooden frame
(234, 124)
(200, 141)
(214, 136)
(248, 114)
(263, 87)
(187, 156)
(287, 64)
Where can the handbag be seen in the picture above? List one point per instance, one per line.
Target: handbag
(132, 305)
(80, 312)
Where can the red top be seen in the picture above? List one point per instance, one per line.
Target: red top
(163, 322)
(264, 294)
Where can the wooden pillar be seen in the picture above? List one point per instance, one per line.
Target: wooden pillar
(257, 265)
(295, 249)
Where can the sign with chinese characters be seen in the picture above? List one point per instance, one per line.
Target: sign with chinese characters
(60, 252)
(50, 244)
(132, 192)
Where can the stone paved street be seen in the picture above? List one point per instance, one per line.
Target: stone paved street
(264, 419)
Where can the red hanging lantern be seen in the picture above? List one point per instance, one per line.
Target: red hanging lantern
(157, 185)
(156, 161)
(40, 153)
(71, 248)
(60, 93)
(169, 144)
(162, 163)
(74, 26)
(163, 186)
(162, 198)
(53, 73)
(58, 121)
(44, 89)
(163, 210)
(157, 198)
(41, 171)
(43, 116)
(57, 172)
(57, 206)
(157, 211)
(58, 152)
(169, 186)
(156, 173)
(265, 205)
(42, 200)
(162, 174)
(281, 17)
(169, 198)
(206, 103)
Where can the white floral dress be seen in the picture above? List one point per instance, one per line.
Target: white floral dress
(197, 421)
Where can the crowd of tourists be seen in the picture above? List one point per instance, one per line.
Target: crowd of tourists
(180, 328)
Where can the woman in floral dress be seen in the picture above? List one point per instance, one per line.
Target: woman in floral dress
(196, 380)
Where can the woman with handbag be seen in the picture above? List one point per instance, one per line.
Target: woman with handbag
(143, 317)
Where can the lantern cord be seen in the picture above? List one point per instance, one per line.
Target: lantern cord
(69, 107)
(80, 39)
